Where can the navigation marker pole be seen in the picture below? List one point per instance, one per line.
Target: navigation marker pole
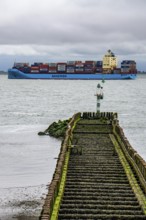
(99, 95)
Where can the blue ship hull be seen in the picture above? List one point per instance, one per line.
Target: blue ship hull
(16, 74)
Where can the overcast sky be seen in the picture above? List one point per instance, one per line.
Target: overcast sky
(60, 30)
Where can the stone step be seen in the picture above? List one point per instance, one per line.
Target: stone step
(98, 190)
(95, 155)
(95, 172)
(78, 169)
(133, 203)
(95, 163)
(96, 175)
(92, 164)
(88, 166)
(99, 206)
(77, 184)
(102, 187)
(97, 180)
(100, 194)
(96, 168)
(98, 150)
(100, 217)
(98, 211)
(99, 197)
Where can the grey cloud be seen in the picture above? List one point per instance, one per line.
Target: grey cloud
(76, 27)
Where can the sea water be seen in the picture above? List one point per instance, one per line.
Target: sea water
(27, 161)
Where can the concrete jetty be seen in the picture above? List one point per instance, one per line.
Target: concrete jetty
(98, 174)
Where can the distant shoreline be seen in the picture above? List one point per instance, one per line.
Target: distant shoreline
(3, 73)
(141, 73)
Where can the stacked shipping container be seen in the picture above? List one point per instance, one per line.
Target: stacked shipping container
(79, 67)
(98, 67)
(87, 67)
(52, 67)
(70, 67)
(44, 68)
(128, 66)
(61, 67)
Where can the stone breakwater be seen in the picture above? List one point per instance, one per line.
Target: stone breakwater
(98, 174)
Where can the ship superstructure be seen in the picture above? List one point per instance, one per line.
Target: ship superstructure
(109, 62)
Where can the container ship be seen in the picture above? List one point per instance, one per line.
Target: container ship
(89, 70)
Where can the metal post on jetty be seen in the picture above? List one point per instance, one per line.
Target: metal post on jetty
(99, 95)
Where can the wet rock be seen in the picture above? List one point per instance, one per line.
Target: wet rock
(41, 133)
(56, 129)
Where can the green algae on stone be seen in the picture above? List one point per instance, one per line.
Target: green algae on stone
(56, 129)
